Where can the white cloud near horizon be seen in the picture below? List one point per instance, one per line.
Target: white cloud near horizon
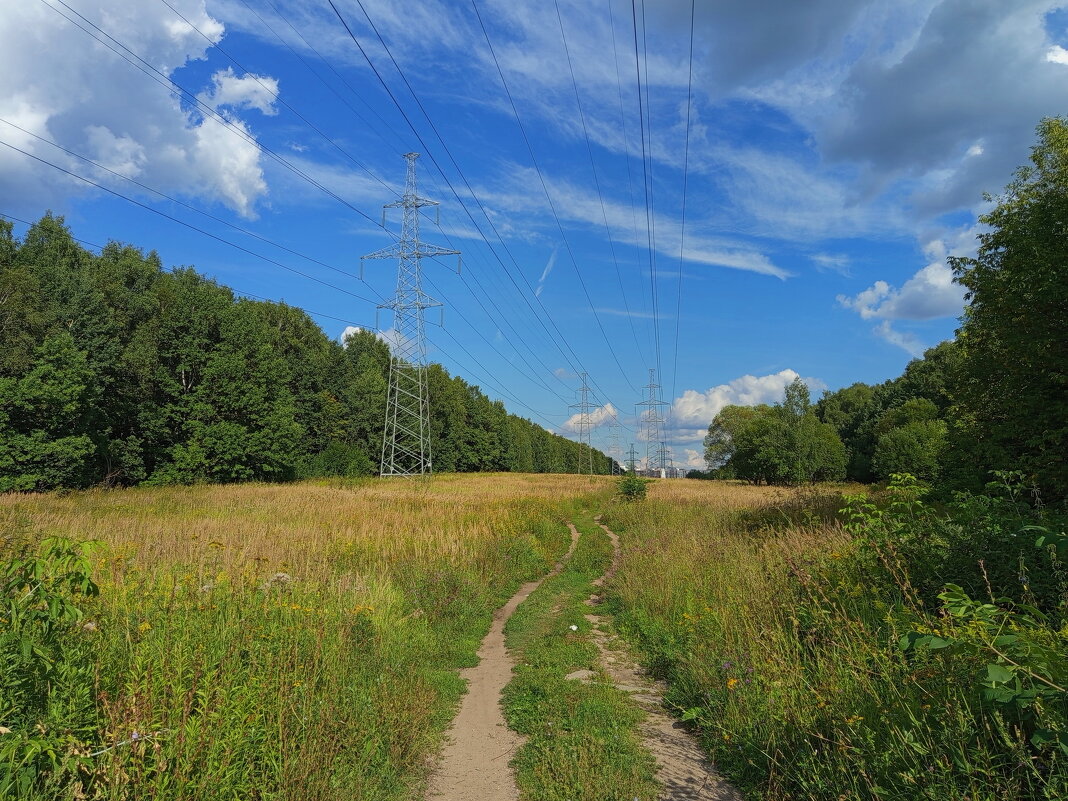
(599, 416)
(930, 294)
(696, 410)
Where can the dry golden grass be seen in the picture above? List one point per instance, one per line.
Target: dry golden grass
(332, 681)
(718, 494)
(294, 527)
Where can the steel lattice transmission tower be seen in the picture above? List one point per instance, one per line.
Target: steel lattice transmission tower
(632, 459)
(406, 436)
(585, 419)
(652, 419)
(615, 449)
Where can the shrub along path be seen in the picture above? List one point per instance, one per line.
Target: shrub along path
(475, 762)
(682, 769)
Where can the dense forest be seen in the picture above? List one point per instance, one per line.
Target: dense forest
(991, 401)
(116, 371)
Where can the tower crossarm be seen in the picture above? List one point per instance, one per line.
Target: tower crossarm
(425, 251)
(391, 252)
(411, 202)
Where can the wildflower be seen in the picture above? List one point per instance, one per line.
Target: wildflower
(573, 627)
(732, 683)
(277, 580)
(145, 626)
(852, 721)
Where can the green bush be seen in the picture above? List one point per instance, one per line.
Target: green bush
(630, 487)
(46, 669)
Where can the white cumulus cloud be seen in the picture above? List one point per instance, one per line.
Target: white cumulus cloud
(242, 92)
(1057, 54)
(62, 85)
(929, 294)
(694, 409)
(598, 417)
(905, 340)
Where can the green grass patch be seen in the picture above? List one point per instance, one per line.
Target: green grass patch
(583, 740)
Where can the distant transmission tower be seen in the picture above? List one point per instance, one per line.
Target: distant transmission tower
(656, 451)
(615, 449)
(585, 420)
(632, 459)
(406, 437)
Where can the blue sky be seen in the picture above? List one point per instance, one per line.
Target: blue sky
(837, 153)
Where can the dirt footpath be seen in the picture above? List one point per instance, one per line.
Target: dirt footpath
(683, 770)
(474, 763)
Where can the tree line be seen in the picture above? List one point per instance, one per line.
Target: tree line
(116, 371)
(993, 400)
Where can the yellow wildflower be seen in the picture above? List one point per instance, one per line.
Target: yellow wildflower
(732, 683)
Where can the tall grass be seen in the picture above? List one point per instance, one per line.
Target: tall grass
(272, 642)
(783, 638)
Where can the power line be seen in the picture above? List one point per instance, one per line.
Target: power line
(190, 226)
(275, 95)
(548, 197)
(468, 370)
(474, 196)
(304, 61)
(142, 65)
(533, 375)
(685, 181)
(346, 321)
(434, 161)
(596, 180)
(164, 80)
(626, 149)
(647, 176)
(381, 136)
(181, 203)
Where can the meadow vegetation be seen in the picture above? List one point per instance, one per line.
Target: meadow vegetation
(829, 644)
(255, 641)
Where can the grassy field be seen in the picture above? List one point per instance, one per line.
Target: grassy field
(259, 641)
(303, 641)
(826, 661)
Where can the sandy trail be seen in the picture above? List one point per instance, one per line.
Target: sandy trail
(683, 770)
(474, 764)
